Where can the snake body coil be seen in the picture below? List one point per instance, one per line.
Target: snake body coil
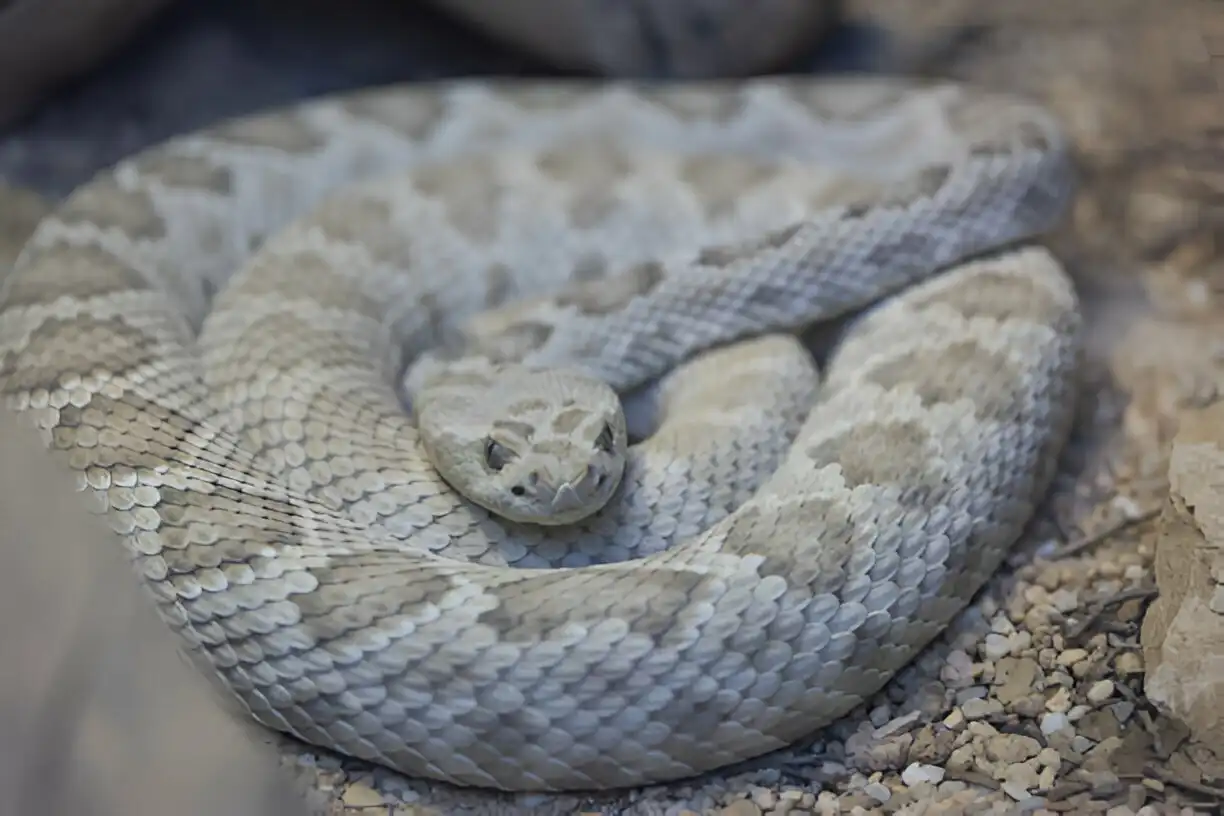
(772, 556)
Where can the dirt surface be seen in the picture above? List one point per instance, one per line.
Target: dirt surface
(1034, 701)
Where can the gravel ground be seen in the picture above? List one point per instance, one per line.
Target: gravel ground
(1033, 701)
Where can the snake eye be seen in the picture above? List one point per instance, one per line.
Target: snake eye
(496, 454)
(606, 439)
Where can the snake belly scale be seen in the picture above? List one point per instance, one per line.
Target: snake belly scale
(211, 333)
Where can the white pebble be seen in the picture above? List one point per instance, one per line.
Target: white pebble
(996, 647)
(877, 791)
(1002, 625)
(1054, 722)
(917, 773)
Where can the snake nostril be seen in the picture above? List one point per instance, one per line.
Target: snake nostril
(529, 483)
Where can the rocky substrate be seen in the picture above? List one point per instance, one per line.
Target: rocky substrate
(1065, 689)
(1033, 703)
(1037, 701)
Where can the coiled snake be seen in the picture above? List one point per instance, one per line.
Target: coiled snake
(212, 334)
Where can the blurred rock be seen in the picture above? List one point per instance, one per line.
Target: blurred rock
(1183, 631)
(99, 713)
(44, 43)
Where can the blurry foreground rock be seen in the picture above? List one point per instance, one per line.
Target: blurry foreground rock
(1183, 632)
(659, 38)
(98, 713)
(44, 43)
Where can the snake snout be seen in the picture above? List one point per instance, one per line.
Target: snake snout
(574, 493)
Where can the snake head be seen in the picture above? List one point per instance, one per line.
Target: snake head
(537, 446)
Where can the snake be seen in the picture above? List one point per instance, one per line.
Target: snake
(343, 378)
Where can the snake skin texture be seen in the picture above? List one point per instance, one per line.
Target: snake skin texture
(214, 336)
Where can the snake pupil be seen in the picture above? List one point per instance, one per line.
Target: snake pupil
(496, 455)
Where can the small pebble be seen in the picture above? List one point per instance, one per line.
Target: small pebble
(358, 795)
(1059, 702)
(917, 773)
(765, 799)
(1128, 663)
(1122, 710)
(1100, 691)
(1001, 625)
(972, 693)
(1071, 656)
(1081, 744)
(1011, 748)
(1060, 678)
(877, 791)
(958, 670)
(1054, 722)
(741, 808)
(983, 730)
(996, 646)
(1049, 757)
(897, 724)
(978, 708)
(962, 758)
(1022, 775)
(1065, 600)
(1015, 791)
